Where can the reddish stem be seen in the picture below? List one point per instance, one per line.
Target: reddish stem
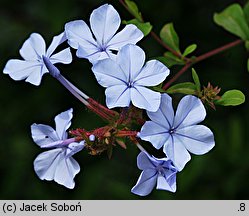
(126, 133)
(102, 108)
(176, 76)
(201, 58)
(217, 50)
(100, 113)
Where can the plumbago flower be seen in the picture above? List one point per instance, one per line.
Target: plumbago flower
(57, 164)
(126, 78)
(32, 68)
(104, 22)
(155, 172)
(178, 133)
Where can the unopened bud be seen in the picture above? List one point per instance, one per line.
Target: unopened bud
(92, 138)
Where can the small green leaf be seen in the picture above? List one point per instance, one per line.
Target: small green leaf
(170, 60)
(134, 10)
(191, 48)
(233, 20)
(144, 27)
(158, 88)
(231, 98)
(170, 37)
(184, 88)
(196, 80)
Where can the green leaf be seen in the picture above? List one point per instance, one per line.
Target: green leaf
(170, 37)
(247, 45)
(233, 20)
(184, 88)
(231, 98)
(248, 65)
(246, 12)
(144, 27)
(134, 10)
(196, 80)
(170, 59)
(191, 48)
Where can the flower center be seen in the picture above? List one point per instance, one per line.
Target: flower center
(130, 84)
(102, 48)
(172, 131)
(160, 170)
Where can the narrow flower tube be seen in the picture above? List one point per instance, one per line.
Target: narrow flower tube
(82, 97)
(59, 143)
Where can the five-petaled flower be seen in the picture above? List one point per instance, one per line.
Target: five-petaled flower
(126, 78)
(32, 68)
(57, 164)
(178, 133)
(104, 22)
(155, 172)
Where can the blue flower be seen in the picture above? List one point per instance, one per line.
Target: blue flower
(57, 164)
(32, 67)
(104, 22)
(155, 172)
(126, 77)
(179, 133)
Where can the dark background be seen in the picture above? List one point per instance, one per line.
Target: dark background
(221, 174)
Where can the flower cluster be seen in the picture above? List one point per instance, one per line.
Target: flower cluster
(118, 65)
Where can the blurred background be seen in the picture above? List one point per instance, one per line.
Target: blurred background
(221, 174)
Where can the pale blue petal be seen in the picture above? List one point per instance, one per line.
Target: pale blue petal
(47, 162)
(91, 53)
(79, 34)
(20, 69)
(145, 98)
(57, 40)
(131, 60)
(96, 56)
(36, 76)
(63, 122)
(190, 111)
(63, 56)
(74, 147)
(144, 161)
(108, 73)
(166, 184)
(198, 139)
(129, 35)
(33, 48)
(43, 134)
(164, 116)
(154, 133)
(104, 22)
(146, 182)
(117, 96)
(66, 171)
(176, 151)
(53, 165)
(153, 73)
